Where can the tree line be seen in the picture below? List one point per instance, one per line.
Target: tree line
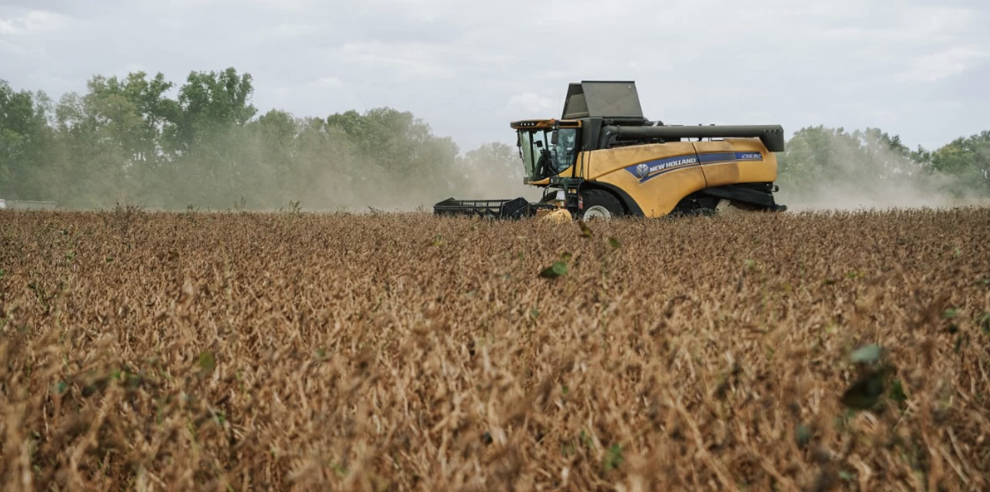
(127, 141)
(836, 167)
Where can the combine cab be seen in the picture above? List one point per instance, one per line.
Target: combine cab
(604, 159)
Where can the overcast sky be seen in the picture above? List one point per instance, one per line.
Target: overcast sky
(913, 68)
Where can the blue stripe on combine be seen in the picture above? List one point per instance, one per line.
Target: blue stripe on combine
(646, 171)
(729, 157)
(716, 157)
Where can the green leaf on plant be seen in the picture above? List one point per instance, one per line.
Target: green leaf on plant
(897, 391)
(206, 361)
(802, 434)
(585, 230)
(865, 392)
(558, 269)
(867, 354)
(614, 243)
(614, 458)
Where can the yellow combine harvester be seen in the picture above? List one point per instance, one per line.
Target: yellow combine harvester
(604, 159)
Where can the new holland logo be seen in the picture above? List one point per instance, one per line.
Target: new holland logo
(646, 171)
(642, 170)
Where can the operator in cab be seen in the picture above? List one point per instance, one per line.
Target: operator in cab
(564, 150)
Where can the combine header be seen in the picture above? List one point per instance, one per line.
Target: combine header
(604, 159)
(515, 208)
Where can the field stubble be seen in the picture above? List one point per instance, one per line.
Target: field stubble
(843, 351)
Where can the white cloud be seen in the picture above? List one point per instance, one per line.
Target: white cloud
(415, 60)
(289, 31)
(468, 68)
(329, 92)
(33, 22)
(9, 47)
(294, 6)
(948, 63)
(532, 104)
(419, 10)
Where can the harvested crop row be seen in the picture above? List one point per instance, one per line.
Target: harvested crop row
(842, 351)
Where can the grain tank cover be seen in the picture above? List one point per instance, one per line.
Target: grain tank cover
(602, 99)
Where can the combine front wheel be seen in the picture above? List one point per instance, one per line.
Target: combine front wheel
(600, 204)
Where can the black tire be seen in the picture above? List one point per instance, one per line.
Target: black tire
(695, 205)
(600, 204)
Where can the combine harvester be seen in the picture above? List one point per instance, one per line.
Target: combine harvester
(603, 159)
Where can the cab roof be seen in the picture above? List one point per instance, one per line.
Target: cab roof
(547, 124)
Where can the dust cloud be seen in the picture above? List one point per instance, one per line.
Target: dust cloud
(305, 164)
(843, 172)
(492, 171)
(842, 195)
(315, 169)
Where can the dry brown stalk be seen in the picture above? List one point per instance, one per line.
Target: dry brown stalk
(159, 351)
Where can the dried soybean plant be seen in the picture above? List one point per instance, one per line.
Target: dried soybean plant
(195, 351)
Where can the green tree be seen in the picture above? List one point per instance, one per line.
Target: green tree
(494, 161)
(25, 138)
(276, 135)
(835, 168)
(125, 139)
(399, 154)
(210, 102)
(146, 99)
(327, 171)
(206, 145)
(967, 160)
